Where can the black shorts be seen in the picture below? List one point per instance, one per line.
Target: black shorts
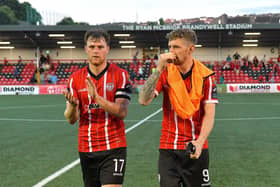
(103, 167)
(176, 169)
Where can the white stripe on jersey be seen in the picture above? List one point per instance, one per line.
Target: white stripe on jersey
(89, 123)
(106, 113)
(156, 92)
(210, 99)
(124, 80)
(71, 87)
(193, 128)
(210, 89)
(176, 131)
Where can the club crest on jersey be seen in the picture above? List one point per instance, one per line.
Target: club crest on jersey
(110, 86)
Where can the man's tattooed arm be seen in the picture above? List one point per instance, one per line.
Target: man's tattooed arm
(146, 94)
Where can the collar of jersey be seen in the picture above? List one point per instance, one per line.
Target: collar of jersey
(97, 77)
(184, 76)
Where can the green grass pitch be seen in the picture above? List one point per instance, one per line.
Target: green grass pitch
(36, 141)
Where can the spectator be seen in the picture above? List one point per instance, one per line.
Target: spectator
(132, 76)
(46, 66)
(278, 59)
(275, 69)
(54, 79)
(42, 59)
(44, 62)
(16, 72)
(263, 65)
(147, 59)
(228, 59)
(236, 56)
(231, 64)
(48, 59)
(49, 77)
(42, 78)
(255, 61)
(222, 78)
(264, 59)
(245, 65)
(33, 79)
(5, 61)
(38, 77)
(19, 59)
(261, 78)
(237, 67)
(226, 66)
(272, 79)
(140, 72)
(267, 77)
(135, 58)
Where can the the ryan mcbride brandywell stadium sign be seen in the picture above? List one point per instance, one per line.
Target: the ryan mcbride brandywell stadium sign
(188, 26)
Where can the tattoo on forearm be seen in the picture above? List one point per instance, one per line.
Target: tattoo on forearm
(147, 91)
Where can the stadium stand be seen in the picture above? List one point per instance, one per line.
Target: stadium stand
(16, 74)
(22, 74)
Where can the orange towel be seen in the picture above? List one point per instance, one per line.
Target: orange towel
(186, 104)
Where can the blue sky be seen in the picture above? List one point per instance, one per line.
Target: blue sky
(104, 11)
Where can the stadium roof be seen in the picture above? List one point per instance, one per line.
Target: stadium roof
(209, 35)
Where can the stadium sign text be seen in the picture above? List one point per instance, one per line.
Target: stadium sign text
(258, 86)
(253, 88)
(20, 89)
(188, 26)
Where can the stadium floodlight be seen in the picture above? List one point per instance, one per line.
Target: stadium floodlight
(64, 42)
(121, 35)
(250, 45)
(7, 47)
(198, 45)
(252, 33)
(56, 35)
(249, 41)
(126, 42)
(128, 46)
(68, 47)
(5, 43)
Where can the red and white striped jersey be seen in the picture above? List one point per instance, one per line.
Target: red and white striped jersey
(175, 130)
(98, 130)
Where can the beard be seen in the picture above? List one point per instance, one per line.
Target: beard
(96, 61)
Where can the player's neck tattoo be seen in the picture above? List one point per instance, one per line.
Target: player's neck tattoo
(147, 91)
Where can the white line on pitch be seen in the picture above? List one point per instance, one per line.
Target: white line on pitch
(31, 120)
(29, 106)
(247, 119)
(133, 120)
(74, 163)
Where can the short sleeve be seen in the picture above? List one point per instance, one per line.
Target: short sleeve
(210, 91)
(124, 88)
(160, 83)
(71, 86)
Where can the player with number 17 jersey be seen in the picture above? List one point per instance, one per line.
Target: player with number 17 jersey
(99, 130)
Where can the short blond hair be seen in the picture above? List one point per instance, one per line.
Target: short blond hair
(186, 34)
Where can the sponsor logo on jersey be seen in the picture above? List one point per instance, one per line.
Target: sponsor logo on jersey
(214, 92)
(94, 105)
